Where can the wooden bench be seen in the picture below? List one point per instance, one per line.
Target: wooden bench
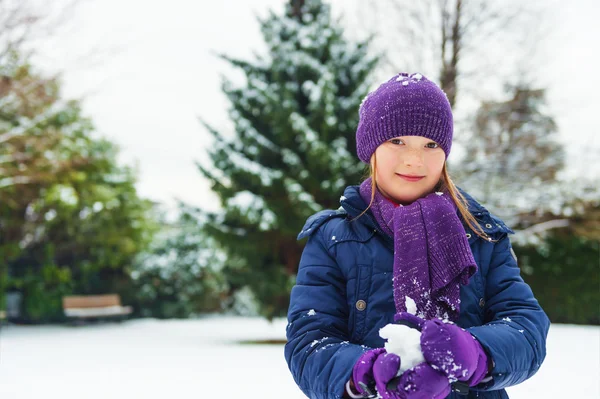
(94, 306)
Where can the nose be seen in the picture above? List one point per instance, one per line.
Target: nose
(413, 157)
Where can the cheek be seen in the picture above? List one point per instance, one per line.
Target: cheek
(388, 161)
(385, 168)
(436, 165)
(380, 176)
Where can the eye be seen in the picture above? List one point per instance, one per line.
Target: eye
(435, 145)
(395, 141)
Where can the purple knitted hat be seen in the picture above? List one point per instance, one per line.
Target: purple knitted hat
(405, 105)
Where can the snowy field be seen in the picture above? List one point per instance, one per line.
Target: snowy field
(202, 358)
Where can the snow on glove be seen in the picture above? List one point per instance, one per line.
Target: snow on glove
(374, 369)
(450, 349)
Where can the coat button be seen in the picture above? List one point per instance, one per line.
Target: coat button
(468, 235)
(361, 305)
(489, 226)
(482, 302)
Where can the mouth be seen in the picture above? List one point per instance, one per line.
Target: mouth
(412, 178)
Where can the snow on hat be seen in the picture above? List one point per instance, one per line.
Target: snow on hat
(405, 105)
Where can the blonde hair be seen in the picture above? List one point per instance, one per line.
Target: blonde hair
(445, 185)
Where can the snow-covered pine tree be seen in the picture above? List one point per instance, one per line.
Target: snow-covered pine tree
(293, 150)
(513, 155)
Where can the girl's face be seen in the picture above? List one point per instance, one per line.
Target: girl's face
(412, 156)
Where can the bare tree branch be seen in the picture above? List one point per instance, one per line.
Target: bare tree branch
(23, 22)
(445, 33)
(14, 180)
(545, 226)
(27, 125)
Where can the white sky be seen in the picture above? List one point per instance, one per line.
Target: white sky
(147, 72)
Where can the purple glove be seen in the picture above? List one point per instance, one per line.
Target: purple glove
(423, 382)
(377, 367)
(450, 349)
(374, 369)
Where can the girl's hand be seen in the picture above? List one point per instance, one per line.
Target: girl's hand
(423, 382)
(450, 349)
(373, 370)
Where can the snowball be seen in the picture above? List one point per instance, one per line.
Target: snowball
(404, 342)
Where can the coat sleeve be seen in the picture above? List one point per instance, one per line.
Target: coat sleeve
(318, 351)
(517, 327)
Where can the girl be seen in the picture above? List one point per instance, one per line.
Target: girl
(408, 232)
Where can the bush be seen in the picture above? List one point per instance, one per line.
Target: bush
(564, 275)
(180, 276)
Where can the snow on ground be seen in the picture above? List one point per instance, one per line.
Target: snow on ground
(201, 358)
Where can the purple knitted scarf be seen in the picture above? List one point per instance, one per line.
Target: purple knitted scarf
(431, 252)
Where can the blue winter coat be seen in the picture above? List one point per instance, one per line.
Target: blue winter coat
(343, 296)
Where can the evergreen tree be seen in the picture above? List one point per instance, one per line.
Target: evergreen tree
(293, 150)
(513, 148)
